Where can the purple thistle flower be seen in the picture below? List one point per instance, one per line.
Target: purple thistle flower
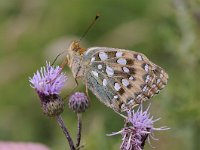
(48, 83)
(139, 127)
(48, 80)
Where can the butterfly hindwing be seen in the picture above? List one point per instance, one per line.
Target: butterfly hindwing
(104, 93)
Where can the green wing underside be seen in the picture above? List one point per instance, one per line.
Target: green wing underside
(104, 93)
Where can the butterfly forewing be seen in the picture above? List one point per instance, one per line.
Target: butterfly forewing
(121, 78)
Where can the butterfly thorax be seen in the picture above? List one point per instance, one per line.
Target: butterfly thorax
(74, 58)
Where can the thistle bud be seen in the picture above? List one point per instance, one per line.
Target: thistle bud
(54, 106)
(78, 102)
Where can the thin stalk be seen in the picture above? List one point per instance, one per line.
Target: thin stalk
(65, 131)
(78, 138)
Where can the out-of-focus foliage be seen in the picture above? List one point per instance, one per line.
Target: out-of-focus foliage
(168, 32)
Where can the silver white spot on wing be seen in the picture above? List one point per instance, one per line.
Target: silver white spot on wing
(116, 97)
(95, 73)
(147, 78)
(158, 81)
(146, 67)
(105, 82)
(99, 66)
(109, 71)
(139, 57)
(103, 56)
(153, 86)
(117, 86)
(119, 54)
(125, 69)
(122, 61)
(93, 59)
(144, 88)
(125, 82)
(131, 78)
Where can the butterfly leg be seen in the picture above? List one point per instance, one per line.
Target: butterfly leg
(65, 61)
(62, 66)
(76, 82)
(86, 91)
(123, 116)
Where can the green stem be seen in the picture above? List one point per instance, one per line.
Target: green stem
(78, 140)
(65, 131)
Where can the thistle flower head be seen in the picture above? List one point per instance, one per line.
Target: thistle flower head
(78, 102)
(139, 126)
(48, 83)
(49, 80)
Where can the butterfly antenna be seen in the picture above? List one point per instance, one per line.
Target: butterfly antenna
(84, 34)
(57, 57)
(90, 26)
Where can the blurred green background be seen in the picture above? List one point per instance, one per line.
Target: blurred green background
(33, 31)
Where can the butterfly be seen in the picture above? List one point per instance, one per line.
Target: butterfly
(121, 79)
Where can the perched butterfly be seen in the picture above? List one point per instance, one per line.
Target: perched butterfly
(119, 78)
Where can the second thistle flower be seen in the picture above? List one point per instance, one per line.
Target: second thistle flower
(138, 128)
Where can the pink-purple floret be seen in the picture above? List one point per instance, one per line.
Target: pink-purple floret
(49, 80)
(140, 128)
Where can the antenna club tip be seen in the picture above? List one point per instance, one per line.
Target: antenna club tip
(96, 17)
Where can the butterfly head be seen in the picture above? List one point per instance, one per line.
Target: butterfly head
(74, 51)
(75, 48)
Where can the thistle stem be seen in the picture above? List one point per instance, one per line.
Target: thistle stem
(65, 131)
(78, 138)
